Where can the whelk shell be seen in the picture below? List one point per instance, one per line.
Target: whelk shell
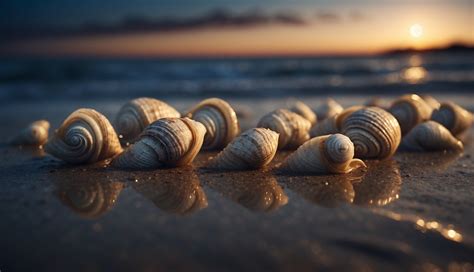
(35, 134)
(453, 117)
(375, 133)
(220, 121)
(253, 149)
(304, 110)
(410, 110)
(86, 136)
(327, 109)
(292, 127)
(332, 124)
(431, 136)
(167, 142)
(324, 154)
(138, 113)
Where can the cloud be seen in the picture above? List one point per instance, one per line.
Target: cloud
(328, 17)
(214, 19)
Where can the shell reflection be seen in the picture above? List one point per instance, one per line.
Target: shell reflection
(177, 193)
(255, 191)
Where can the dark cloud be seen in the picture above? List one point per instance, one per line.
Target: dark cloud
(328, 17)
(137, 24)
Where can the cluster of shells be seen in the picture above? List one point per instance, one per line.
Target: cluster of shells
(148, 133)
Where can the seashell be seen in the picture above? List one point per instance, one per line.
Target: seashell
(376, 102)
(324, 154)
(327, 109)
(253, 149)
(86, 136)
(302, 109)
(410, 110)
(292, 127)
(35, 134)
(167, 142)
(431, 101)
(453, 117)
(375, 133)
(138, 113)
(220, 121)
(332, 124)
(430, 136)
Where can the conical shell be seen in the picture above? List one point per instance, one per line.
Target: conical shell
(453, 117)
(332, 124)
(292, 127)
(375, 133)
(431, 101)
(253, 149)
(302, 109)
(324, 154)
(35, 134)
(410, 110)
(220, 121)
(168, 142)
(431, 136)
(86, 136)
(138, 113)
(327, 109)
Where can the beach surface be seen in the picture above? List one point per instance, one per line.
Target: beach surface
(412, 212)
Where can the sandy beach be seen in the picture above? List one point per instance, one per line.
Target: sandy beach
(412, 212)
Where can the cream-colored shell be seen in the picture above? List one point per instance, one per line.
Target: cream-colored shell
(453, 117)
(431, 136)
(328, 108)
(138, 113)
(324, 154)
(304, 110)
(86, 136)
(377, 102)
(220, 121)
(431, 101)
(35, 134)
(375, 133)
(167, 142)
(292, 127)
(253, 149)
(332, 124)
(410, 110)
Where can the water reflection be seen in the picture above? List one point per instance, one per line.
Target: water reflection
(438, 162)
(173, 191)
(254, 190)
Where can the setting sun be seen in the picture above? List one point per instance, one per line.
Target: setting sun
(416, 30)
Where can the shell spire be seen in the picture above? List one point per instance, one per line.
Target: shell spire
(431, 136)
(453, 117)
(168, 142)
(220, 121)
(410, 110)
(324, 154)
(35, 134)
(86, 136)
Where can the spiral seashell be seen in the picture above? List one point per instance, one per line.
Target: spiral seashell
(220, 121)
(168, 142)
(253, 149)
(324, 154)
(430, 136)
(292, 127)
(375, 133)
(138, 113)
(327, 109)
(302, 109)
(35, 134)
(86, 136)
(453, 117)
(332, 124)
(410, 110)
(431, 101)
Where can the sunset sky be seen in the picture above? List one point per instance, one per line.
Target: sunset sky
(229, 28)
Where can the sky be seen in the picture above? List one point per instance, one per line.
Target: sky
(170, 28)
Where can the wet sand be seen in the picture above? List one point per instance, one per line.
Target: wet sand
(411, 212)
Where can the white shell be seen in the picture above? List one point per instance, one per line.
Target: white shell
(292, 127)
(431, 136)
(167, 142)
(453, 117)
(410, 110)
(324, 154)
(302, 109)
(327, 109)
(35, 134)
(86, 136)
(138, 113)
(253, 149)
(220, 121)
(375, 133)
(332, 124)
